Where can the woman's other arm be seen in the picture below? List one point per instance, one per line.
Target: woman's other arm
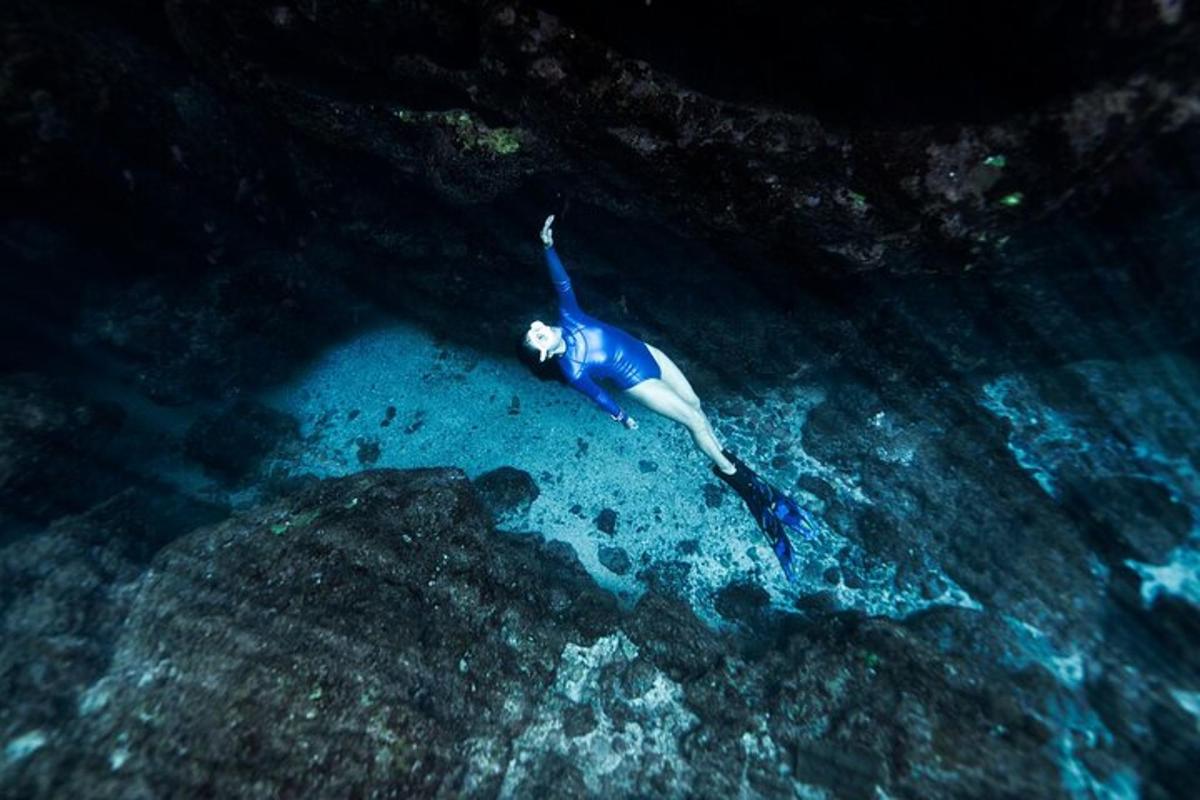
(558, 273)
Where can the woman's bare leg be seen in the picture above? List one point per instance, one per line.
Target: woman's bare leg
(674, 377)
(658, 396)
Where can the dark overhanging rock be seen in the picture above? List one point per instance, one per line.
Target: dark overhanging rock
(855, 64)
(569, 98)
(472, 103)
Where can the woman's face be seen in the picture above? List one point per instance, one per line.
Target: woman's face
(543, 338)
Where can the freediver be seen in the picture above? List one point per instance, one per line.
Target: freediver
(589, 349)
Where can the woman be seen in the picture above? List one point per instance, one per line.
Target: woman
(589, 349)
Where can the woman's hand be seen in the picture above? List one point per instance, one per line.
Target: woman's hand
(626, 420)
(547, 234)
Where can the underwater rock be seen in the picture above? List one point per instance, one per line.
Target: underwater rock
(1152, 724)
(54, 449)
(367, 451)
(416, 424)
(507, 491)
(1124, 700)
(606, 521)
(389, 415)
(932, 587)
(378, 627)
(741, 602)
(599, 99)
(231, 444)
(1128, 517)
(690, 650)
(1175, 625)
(614, 559)
(851, 578)
(464, 104)
(847, 770)
(881, 535)
(816, 487)
(142, 518)
(669, 576)
(578, 721)
(882, 435)
(381, 604)
(64, 593)
(230, 327)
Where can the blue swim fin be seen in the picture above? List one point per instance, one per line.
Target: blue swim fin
(783, 551)
(772, 510)
(795, 517)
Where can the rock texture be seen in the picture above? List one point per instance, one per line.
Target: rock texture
(50, 436)
(507, 492)
(374, 637)
(821, 138)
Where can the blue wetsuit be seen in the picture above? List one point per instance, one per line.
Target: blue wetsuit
(596, 349)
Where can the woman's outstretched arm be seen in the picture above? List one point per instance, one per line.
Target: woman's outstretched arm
(558, 273)
(603, 399)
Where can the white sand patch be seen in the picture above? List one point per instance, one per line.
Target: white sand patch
(444, 405)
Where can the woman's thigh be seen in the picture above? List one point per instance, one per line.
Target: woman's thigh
(658, 396)
(672, 376)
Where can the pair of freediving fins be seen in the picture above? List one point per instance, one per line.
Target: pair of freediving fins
(773, 510)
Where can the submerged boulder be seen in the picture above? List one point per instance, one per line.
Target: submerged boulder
(374, 636)
(373, 632)
(615, 559)
(507, 492)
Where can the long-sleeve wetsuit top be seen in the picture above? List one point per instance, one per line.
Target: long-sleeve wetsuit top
(596, 349)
